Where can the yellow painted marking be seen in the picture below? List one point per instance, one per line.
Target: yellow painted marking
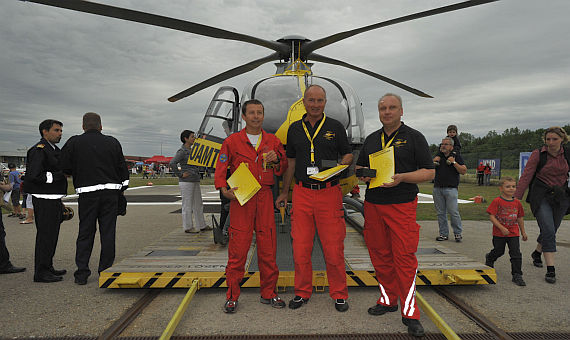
(287, 279)
(190, 248)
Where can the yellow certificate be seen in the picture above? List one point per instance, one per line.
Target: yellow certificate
(246, 184)
(324, 175)
(383, 162)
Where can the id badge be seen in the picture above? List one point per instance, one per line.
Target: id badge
(312, 170)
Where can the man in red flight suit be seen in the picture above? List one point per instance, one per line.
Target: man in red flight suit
(390, 229)
(252, 146)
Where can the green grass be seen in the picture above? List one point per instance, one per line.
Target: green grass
(426, 212)
(471, 211)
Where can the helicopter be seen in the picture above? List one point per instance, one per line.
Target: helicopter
(282, 92)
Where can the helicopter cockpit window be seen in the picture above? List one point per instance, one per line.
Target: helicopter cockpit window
(343, 105)
(218, 122)
(277, 95)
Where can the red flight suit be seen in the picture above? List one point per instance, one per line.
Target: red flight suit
(323, 210)
(257, 214)
(392, 235)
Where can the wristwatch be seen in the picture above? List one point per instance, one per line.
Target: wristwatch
(453, 163)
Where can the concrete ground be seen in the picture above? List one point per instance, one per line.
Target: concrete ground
(29, 309)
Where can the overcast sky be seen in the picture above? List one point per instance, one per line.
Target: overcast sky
(489, 67)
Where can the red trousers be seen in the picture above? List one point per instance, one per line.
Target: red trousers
(257, 214)
(392, 235)
(322, 208)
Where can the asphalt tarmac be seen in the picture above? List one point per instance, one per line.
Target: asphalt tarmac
(29, 309)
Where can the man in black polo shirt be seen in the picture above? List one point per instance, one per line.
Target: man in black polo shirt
(445, 190)
(311, 142)
(390, 229)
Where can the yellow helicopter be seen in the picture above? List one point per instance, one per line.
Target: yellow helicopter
(281, 93)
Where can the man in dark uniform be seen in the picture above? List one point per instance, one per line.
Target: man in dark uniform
(390, 229)
(47, 184)
(310, 141)
(100, 174)
(6, 267)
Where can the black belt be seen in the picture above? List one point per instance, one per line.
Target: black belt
(319, 186)
(446, 186)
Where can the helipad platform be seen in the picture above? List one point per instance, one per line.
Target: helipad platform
(179, 258)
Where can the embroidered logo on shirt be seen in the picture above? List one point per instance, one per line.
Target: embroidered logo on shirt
(400, 142)
(329, 135)
(223, 158)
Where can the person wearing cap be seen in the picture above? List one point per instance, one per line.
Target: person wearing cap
(312, 142)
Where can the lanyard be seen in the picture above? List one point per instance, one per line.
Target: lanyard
(384, 145)
(313, 138)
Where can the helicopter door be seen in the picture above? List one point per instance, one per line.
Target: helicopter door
(221, 118)
(220, 121)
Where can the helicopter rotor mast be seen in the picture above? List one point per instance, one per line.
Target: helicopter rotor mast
(284, 48)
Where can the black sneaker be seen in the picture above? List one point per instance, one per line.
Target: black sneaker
(441, 238)
(536, 260)
(490, 263)
(230, 306)
(518, 280)
(275, 302)
(415, 328)
(341, 305)
(297, 302)
(381, 309)
(458, 237)
(550, 277)
(81, 281)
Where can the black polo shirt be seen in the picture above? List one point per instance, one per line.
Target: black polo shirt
(330, 143)
(446, 176)
(411, 152)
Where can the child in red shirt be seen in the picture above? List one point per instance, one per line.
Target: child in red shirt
(506, 213)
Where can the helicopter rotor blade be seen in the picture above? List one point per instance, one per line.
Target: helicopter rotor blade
(158, 20)
(318, 43)
(224, 76)
(327, 60)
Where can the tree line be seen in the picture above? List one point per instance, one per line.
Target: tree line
(507, 146)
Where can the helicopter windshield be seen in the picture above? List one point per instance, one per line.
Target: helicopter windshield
(221, 118)
(278, 93)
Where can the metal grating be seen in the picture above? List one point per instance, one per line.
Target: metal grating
(395, 336)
